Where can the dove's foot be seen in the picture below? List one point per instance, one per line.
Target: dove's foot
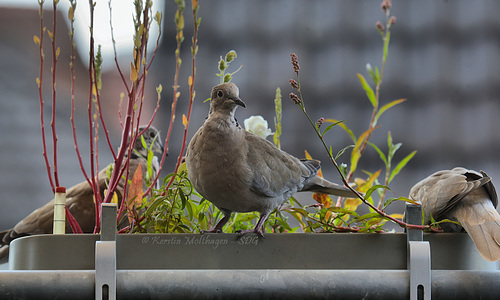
(257, 231)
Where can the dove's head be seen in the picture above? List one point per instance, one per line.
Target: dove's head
(152, 139)
(225, 98)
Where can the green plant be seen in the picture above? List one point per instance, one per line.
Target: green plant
(343, 216)
(176, 207)
(224, 64)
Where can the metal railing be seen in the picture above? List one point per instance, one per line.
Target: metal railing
(106, 282)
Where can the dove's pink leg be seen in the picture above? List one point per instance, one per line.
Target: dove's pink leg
(258, 227)
(220, 224)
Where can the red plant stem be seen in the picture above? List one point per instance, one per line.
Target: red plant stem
(139, 97)
(173, 107)
(133, 97)
(191, 95)
(115, 175)
(119, 168)
(99, 110)
(114, 50)
(72, 118)
(301, 104)
(94, 182)
(153, 182)
(40, 96)
(54, 63)
(75, 227)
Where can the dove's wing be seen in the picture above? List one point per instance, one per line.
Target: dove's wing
(274, 172)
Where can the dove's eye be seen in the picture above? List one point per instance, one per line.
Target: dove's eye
(220, 93)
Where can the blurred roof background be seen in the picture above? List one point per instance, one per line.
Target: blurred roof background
(444, 57)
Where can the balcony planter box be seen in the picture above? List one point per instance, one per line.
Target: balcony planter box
(449, 251)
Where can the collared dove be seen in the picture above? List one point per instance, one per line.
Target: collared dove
(465, 196)
(79, 199)
(241, 172)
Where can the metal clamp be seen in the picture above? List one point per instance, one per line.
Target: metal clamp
(105, 254)
(419, 256)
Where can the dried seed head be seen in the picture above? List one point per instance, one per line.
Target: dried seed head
(294, 83)
(380, 27)
(386, 5)
(295, 98)
(392, 20)
(295, 63)
(320, 121)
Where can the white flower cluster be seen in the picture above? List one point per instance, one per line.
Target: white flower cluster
(258, 126)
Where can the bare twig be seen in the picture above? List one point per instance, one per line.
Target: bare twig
(179, 20)
(55, 54)
(191, 81)
(299, 100)
(39, 42)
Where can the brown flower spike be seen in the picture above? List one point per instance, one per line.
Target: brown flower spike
(295, 63)
(386, 5)
(294, 83)
(295, 98)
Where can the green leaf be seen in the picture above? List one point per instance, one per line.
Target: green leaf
(390, 200)
(189, 209)
(342, 151)
(446, 221)
(356, 152)
(385, 107)
(386, 44)
(343, 169)
(183, 199)
(368, 89)
(401, 165)
(368, 216)
(341, 210)
(298, 210)
(153, 205)
(373, 75)
(392, 150)
(380, 153)
(329, 127)
(374, 188)
(343, 126)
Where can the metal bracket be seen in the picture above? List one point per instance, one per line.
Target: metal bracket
(105, 254)
(419, 256)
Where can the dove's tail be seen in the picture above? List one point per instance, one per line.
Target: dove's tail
(482, 223)
(320, 185)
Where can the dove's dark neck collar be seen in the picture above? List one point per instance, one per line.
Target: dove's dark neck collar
(134, 155)
(223, 116)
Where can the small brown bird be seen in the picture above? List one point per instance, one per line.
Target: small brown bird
(79, 198)
(465, 196)
(242, 172)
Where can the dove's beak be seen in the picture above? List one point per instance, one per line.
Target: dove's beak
(239, 102)
(158, 147)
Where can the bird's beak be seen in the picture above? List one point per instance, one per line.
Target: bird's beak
(239, 102)
(158, 148)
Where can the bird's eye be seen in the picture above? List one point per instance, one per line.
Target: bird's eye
(220, 93)
(152, 134)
